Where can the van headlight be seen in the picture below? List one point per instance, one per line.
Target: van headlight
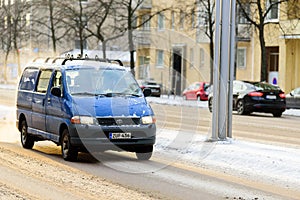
(84, 120)
(148, 120)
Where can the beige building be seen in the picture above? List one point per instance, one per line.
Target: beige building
(173, 49)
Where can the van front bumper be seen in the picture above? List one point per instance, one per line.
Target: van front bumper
(97, 137)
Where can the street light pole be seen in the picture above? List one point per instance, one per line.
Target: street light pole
(223, 69)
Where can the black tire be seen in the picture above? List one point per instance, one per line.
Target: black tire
(240, 108)
(277, 114)
(144, 153)
(27, 140)
(69, 153)
(210, 105)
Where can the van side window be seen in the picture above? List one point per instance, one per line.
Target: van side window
(43, 81)
(28, 79)
(57, 81)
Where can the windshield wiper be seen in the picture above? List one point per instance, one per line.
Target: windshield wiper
(112, 94)
(84, 93)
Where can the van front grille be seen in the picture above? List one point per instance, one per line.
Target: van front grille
(118, 121)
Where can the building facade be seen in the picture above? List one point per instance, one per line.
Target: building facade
(173, 47)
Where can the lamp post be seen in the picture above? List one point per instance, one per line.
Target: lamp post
(223, 69)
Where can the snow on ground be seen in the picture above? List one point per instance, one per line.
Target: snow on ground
(271, 164)
(250, 160)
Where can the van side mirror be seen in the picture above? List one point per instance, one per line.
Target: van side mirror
(56, 91)
(147, 92)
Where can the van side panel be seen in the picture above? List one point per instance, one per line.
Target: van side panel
(24, 105)
(38, 111)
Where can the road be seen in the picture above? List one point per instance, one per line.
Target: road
(41, 173)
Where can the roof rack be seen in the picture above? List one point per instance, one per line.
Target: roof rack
(70, 57)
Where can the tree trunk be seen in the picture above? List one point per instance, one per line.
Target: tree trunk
(131, 50)
(263, 65)
(104, 49)
(53, 36)
(130, 37)
(5, 66)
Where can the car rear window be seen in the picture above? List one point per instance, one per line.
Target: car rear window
(266, 86)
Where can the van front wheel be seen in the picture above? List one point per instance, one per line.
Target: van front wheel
(26, 139)
(68, 152)
(144, 153)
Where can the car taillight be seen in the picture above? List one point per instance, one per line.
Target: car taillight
(256, 94)
(282, 95)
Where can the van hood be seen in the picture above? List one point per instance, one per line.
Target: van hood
(111, 106)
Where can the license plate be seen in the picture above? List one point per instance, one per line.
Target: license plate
(114, 136)
(154, 90)
(271, 97)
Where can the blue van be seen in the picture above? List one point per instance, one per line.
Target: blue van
(84, 105)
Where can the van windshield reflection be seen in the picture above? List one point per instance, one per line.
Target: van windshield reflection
(105, 82)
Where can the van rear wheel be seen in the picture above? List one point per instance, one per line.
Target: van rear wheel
(68, 152)
(27, 140)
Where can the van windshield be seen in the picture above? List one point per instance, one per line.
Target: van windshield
(101, 81)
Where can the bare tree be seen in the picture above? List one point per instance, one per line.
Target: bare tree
(258, 12)
(14, 31)
(47, 22)
(75, 18)
(205, 10)
(103, 23)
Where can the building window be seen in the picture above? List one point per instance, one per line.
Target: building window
(146, 22)
(241, 15)
(274, 9)
(193, 20)
(161, 21)
(191, 58)
(181, 22)
(202, 57)
(241, 58)
(172, 20)
(159, 58)
(141, 67)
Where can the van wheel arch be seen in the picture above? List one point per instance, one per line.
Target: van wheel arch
(61, 130)
(21, 118)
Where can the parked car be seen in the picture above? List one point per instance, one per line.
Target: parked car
(84, 104)
(251, 97)
(153, 85)
(293, 99)
(196, 91)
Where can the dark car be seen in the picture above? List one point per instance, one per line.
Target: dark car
(196, 91)
(153, 85)
(293, 99)
(251, 97)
